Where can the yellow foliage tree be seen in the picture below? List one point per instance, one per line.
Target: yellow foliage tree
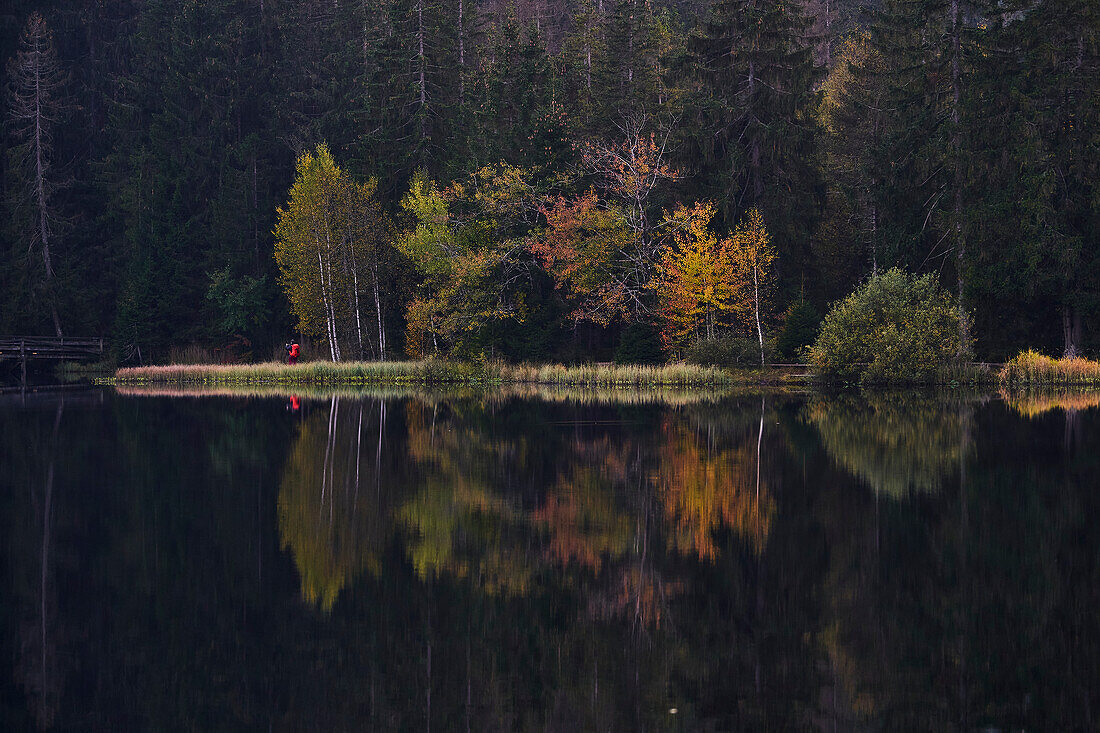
(697, 277)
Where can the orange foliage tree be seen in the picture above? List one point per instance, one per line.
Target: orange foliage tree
(603, 247)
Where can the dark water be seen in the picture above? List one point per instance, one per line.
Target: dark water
(549, 563)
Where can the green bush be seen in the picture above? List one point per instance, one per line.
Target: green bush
(893, 328)
(799, 330)
(639, 344)
(728, 352)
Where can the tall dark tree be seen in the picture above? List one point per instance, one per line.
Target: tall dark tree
(36, 80)
(749, 110)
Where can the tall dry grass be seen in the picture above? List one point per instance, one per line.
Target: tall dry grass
(1030, 368)
(426, 372)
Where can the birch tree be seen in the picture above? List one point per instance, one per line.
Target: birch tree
(330, 241)
(35, 81)
(753, 248)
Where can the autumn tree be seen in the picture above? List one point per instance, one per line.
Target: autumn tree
(605, 245)
(330, 243)
(697, 278)
(578, 247)
(35, 80)
(468, 245)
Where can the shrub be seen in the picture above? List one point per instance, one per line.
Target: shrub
(893, 328)
(728, 352)
(799, 329)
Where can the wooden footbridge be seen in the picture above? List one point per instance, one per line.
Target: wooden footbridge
(34, 348)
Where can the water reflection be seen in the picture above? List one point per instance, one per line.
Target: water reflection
(496, 562)
(506, 498)
(897, 443)
(332, 507)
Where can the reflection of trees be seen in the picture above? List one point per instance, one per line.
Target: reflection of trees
(583, 524)
(462, 519)
(331, 501)
(506, 505)
(706, 488)
(896, 443)
(978, 610)
(39, 666)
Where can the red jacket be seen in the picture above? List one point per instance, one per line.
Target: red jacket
(294, 351)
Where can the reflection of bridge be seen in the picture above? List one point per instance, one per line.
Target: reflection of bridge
(31, 348)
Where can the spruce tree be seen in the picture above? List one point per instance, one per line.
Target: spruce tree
(751, 132)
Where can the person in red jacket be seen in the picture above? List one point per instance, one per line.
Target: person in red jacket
(292, 351)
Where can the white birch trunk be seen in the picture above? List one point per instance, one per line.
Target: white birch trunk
(355, 285)
(381, 326)
(756, 307)
(325, 304)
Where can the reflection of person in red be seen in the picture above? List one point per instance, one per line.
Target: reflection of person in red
(292, 351)
(295, 403)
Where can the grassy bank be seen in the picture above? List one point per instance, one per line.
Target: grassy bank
(1032, 369)
(429, 372)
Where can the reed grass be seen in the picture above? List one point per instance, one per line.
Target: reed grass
(1030, 368)
(426, 372)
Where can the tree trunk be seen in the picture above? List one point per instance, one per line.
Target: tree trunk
(381, 326)
(756, 308)
(40, 189)
(461, 55)
(329, 330)
(1071, 331)
(960, 244)
(421, 63)
(355, 286)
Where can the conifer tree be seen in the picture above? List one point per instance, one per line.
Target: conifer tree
(748, 108)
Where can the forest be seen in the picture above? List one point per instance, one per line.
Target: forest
(543, 179)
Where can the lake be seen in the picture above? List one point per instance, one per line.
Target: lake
(530, 560)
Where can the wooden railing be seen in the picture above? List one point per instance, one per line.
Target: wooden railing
(26, 348)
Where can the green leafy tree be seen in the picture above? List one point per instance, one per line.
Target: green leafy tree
(469, 247)
(330, 242)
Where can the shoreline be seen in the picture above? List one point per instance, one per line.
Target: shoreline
(437, 372)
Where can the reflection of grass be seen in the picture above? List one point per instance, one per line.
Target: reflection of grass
(1032, 368)
(429, 371)
(669, 396)
(1034, 403)
(896, 443)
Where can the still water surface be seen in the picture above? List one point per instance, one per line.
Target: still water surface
(557, 561)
